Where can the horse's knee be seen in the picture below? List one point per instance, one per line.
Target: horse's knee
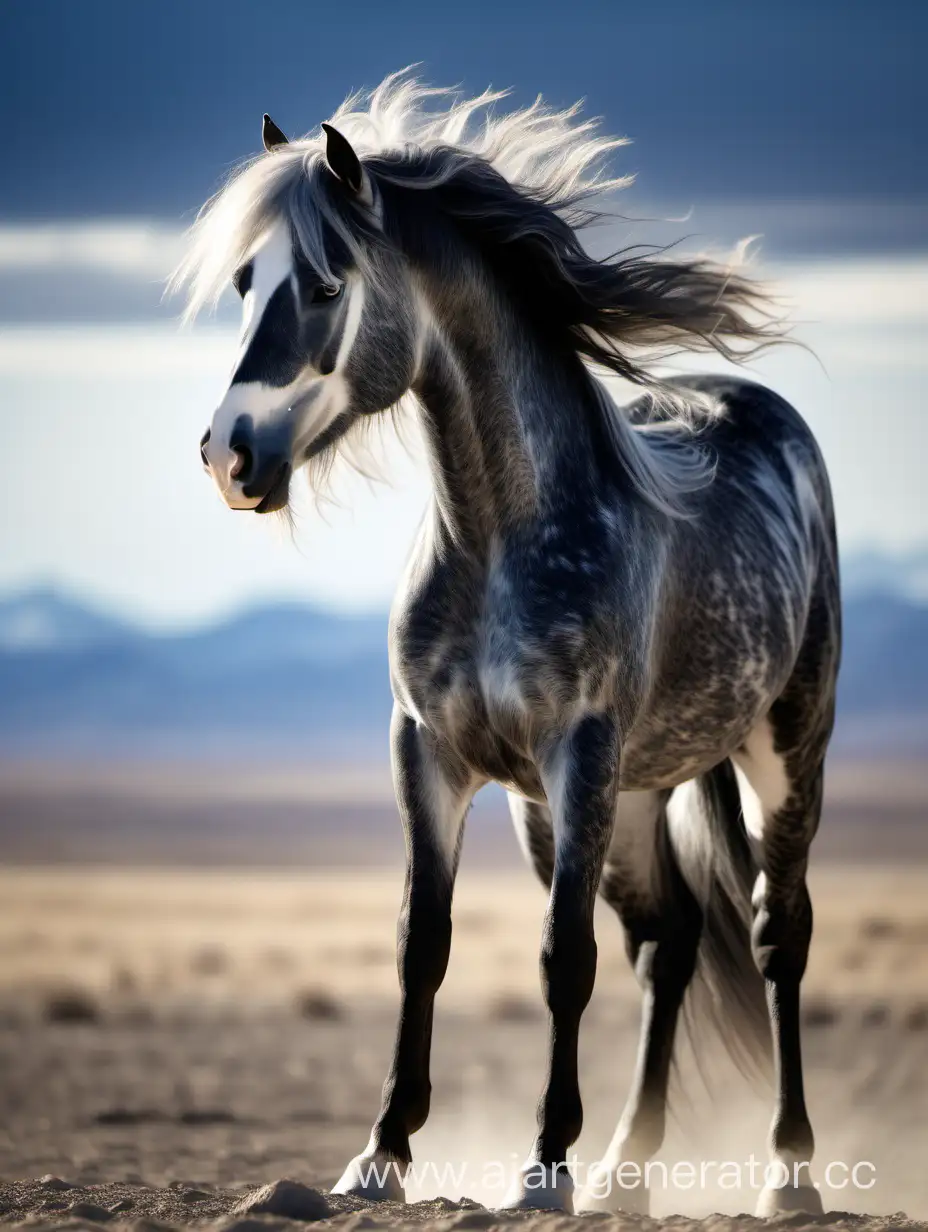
(568, 965)
(423, 950)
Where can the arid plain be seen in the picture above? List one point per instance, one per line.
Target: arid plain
(197, 989)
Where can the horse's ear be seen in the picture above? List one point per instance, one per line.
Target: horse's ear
(343, 162)
(271, 134)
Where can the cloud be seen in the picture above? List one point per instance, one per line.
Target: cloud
(88, 298)
(116, 270)
(110, 352)
(141, 250)
(100, 271)
(103, 416)
(857, 291)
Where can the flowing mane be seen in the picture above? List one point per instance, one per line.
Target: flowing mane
(526, 182)
(519, 188)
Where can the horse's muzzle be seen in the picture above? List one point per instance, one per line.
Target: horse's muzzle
(253, 469)
(278, 495)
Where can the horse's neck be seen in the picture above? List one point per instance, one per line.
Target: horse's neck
(507, 422)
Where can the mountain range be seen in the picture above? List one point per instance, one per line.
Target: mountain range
(291, 680)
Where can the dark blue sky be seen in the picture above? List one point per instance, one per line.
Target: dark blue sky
(122, 107)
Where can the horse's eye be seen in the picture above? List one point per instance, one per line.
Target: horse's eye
(242, 280)
(322, 293)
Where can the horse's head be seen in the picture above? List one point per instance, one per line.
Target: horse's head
(326, 338)
(364, 277)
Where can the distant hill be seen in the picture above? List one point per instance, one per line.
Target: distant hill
(284, 678)
(293, 680)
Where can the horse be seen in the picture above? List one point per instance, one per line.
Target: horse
(626, 615)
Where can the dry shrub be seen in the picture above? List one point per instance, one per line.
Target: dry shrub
(818, 1012)
(210, 960)
(916, 1017)
(135, 1014)
(72, 1006)
(878, 928)
(123, 981)
(319, 1006)
(875, 1015)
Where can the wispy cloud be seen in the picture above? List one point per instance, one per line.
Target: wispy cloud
(128, 394)
(116, 270)
(139, 250)
(857, 291)
(88, 298)
(109, 352)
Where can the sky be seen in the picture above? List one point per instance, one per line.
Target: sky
(802, 123)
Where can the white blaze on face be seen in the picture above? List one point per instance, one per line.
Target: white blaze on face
(320, 399)
(271, 262)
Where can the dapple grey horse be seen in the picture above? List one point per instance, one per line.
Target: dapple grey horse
(628, 616)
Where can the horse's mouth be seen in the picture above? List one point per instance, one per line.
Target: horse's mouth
(279, 492)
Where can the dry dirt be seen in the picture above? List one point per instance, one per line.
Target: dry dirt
(171, 1039)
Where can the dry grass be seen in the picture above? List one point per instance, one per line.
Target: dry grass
(115, 940)
(232, 1026)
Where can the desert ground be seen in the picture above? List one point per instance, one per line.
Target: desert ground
(175, 1036)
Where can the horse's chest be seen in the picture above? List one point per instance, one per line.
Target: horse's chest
(490, 691)
(481, 694)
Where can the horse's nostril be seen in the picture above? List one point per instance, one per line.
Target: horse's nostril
(203, 442)
(241, 467)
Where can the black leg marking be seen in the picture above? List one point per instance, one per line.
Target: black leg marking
(780, 940)
(433, 796)
(582, 785)
(662, 930)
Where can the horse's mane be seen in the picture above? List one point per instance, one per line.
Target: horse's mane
(519, 187)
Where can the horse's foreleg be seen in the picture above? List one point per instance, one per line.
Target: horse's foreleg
(581, 780)
(433, 794)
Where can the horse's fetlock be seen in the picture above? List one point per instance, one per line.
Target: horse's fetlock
(568, 1123)
(412, 1099)
(794, 1140)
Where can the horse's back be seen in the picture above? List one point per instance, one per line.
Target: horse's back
(750, 587)
(733, 416)
(767, 466)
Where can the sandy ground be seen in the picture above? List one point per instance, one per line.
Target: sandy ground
(170, 1040)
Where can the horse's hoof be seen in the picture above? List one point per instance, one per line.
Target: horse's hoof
(374, 1176)
(605, 1192)
(774, 1201)
(541, 1188)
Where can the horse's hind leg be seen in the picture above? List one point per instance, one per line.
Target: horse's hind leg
(535, 832)
(662, 922)
(782, 799)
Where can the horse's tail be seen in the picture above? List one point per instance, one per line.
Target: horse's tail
(711, 849)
